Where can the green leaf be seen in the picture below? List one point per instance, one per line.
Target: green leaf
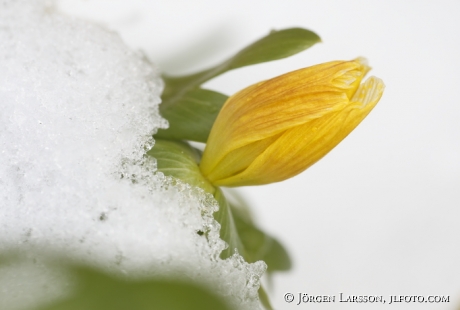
(230, 233)
(192, 115)
(263, 297)
(276, 45)
(5, 259)
(178, 159)
(98, 291)
(228, 230)
(259, 245)
(276, 256)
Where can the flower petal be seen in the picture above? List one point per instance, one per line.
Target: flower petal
(239, 159)
(271, 107)
(300, 147)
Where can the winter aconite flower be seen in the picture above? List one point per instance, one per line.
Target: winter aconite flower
(275, 129)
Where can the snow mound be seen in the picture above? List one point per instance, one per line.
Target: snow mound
(78, 111)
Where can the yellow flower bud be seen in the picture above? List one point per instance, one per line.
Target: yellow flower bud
(275, 129)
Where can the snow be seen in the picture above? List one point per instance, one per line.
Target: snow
(78, 111)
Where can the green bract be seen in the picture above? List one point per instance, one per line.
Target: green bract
(178, 159)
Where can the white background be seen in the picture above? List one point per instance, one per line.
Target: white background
(380, 214)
